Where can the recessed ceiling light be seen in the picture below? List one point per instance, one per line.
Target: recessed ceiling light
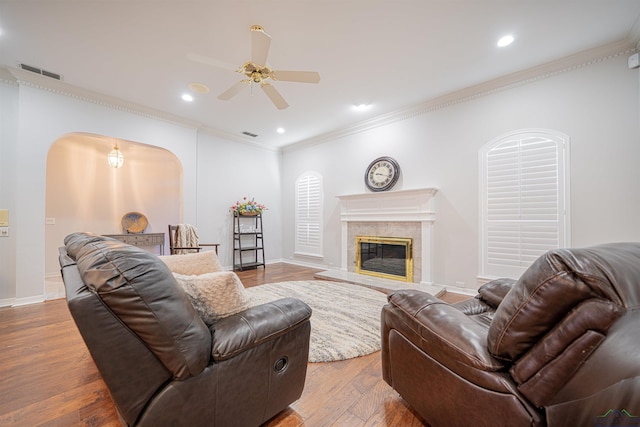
(187, 97)
(280, 130)
(198, 87)
(505, 41)
(361, 107)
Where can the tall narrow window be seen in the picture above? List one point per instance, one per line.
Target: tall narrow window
(309, 214)
(524, 197)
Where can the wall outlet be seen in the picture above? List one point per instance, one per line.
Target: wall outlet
(4, 231)
(50, 221)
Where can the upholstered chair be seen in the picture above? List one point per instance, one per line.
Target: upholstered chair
(558, 347)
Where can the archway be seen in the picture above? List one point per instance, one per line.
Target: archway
(83, 193)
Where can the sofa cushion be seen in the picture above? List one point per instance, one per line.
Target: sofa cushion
(193, 263)
(555, 284)
(142, 292)
(215, 295)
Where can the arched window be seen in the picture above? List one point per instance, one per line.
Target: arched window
(308, 232)
(524, 200)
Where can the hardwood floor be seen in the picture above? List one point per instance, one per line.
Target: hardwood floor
(47, 377)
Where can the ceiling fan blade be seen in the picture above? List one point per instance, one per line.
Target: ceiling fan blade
(260, 42)
(210, 61)
(274, 96)
(297, 76)
(233, 90)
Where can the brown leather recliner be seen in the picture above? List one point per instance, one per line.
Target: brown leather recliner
(558, 347)
(161, 364)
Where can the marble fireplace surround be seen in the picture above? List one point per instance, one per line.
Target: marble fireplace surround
(402, 213)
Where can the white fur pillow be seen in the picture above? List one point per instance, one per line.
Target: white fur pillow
(215, 295)
(193, 264)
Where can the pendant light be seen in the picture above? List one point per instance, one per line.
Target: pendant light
(115, 157)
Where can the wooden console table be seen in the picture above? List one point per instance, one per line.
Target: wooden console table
(144, 239)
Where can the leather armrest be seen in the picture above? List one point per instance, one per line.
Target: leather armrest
(493, 292)
(445, 332)
(250, 328)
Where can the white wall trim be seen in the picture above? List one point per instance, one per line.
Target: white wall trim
(7, 302)
(17, 302)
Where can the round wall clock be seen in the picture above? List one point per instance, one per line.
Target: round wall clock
(382, 174)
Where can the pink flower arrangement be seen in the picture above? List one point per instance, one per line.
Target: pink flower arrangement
(248, 206)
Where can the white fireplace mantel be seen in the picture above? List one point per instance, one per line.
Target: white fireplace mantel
(415, 205)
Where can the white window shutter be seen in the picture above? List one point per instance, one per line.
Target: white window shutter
(308, 230)
(524, 201)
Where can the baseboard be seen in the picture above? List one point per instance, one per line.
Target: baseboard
(462, 291)
(17, 302)
(7, 302)
(304, 264)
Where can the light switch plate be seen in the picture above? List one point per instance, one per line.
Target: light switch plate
(4, 231)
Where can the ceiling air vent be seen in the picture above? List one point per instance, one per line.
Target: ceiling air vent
(41, 71)
(252, 135)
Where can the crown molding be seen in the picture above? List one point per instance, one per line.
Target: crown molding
(17, 77)
(540, 72)
(634, 33)
(59, 87)
(7, 78)
(235, 138)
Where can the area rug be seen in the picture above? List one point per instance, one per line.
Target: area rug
(345, 322)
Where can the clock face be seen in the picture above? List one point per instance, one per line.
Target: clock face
(382, 174)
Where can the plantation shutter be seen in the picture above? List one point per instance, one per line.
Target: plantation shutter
(308, 239)
(524, 202)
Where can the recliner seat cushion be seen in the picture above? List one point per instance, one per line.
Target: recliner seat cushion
(142, 292)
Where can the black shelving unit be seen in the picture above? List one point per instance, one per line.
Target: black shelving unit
(248, 242)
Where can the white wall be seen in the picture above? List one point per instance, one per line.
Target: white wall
(34, 118)
(8, 134)
(596, 105)
(228, 171)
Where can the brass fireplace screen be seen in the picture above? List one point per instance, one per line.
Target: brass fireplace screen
(386, 257)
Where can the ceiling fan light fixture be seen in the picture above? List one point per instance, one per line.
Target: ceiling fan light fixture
(257, 72)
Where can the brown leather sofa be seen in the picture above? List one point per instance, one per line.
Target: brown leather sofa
(161, 364)
(558, 347)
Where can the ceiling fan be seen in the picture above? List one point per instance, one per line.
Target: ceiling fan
(258, 72)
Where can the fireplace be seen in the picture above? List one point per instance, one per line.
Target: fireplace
(401, 213)
(386, 257)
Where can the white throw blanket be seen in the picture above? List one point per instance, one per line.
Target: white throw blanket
(186, 237)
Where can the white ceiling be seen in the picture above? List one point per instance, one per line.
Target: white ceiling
(391, 54)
